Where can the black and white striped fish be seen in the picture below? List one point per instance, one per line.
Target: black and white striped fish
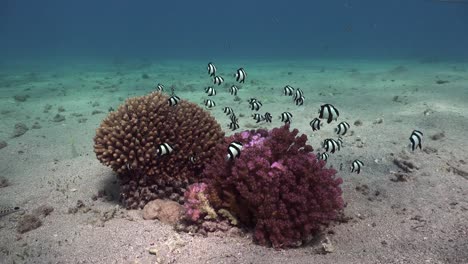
(329, 112)
(331, 145)
(234, 150)
(210, 91)
(315, 124)
(228, 110)
(160, 87)
(218, 80)
(8, 210)
(258, 117)
(340, 143)
(234, 118)
(288, 90)
(240, 75)
(342, 128)
(416, 139)
(267, 117)
(300, 100)
(356, 166)
(173, 100)
(251, 100)
(298, 94)
(233, 90)
(193, 159)
(323, 156)
(233, 126)
(209, 103)
(256, 105)
(164, 149)
(286, 117)
(211, 69)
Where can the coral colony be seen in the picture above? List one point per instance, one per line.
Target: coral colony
(267, 181)
(275, 186)
(157, 149)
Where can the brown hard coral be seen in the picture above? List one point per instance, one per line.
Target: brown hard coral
(128, 138)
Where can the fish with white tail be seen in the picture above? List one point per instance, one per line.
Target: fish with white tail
(160, 87)
(173, 100)
(240, 75)
(416, 139)
(299, 97)
(323, 156)
(228, 110)
(328, 112)
(315, 124)
(211, 69)
(209, 103)
(288, 90)
(210, 91)
(164, 149)
(233, 126)
(233, 90)
(258, 117)
(356, 166)
(342, 128)
(286, 117)
(255, 104)
(331, 145)
(234, 150)
(218, 80)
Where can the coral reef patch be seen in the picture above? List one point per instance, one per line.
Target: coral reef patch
(128, 141)
(277, 187)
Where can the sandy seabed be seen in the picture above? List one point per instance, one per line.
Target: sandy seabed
(404, 207)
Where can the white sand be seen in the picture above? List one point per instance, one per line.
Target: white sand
(422, 220)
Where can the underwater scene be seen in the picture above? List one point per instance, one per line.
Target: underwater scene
(234, 131)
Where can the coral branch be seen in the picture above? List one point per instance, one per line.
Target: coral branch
(277, 186)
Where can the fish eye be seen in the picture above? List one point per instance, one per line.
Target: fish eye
(16, 208)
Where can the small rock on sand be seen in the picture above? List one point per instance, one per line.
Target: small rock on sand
(36, 125)
(20, 98)
(438, 136)
(378, 121)
(4, 182)
(27, 223)
(47, 107)
(3, 144)
(169, 212)
(327, 246)
(95, 112)
(58, 118)
(43, 210)
(442, 81)
(153, 251)
(20, 129)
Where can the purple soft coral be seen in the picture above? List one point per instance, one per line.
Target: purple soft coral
(279, 186)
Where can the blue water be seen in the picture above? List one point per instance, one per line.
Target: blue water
(80, 30)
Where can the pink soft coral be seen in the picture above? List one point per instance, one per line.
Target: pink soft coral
(192, 202)
(279, 186)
